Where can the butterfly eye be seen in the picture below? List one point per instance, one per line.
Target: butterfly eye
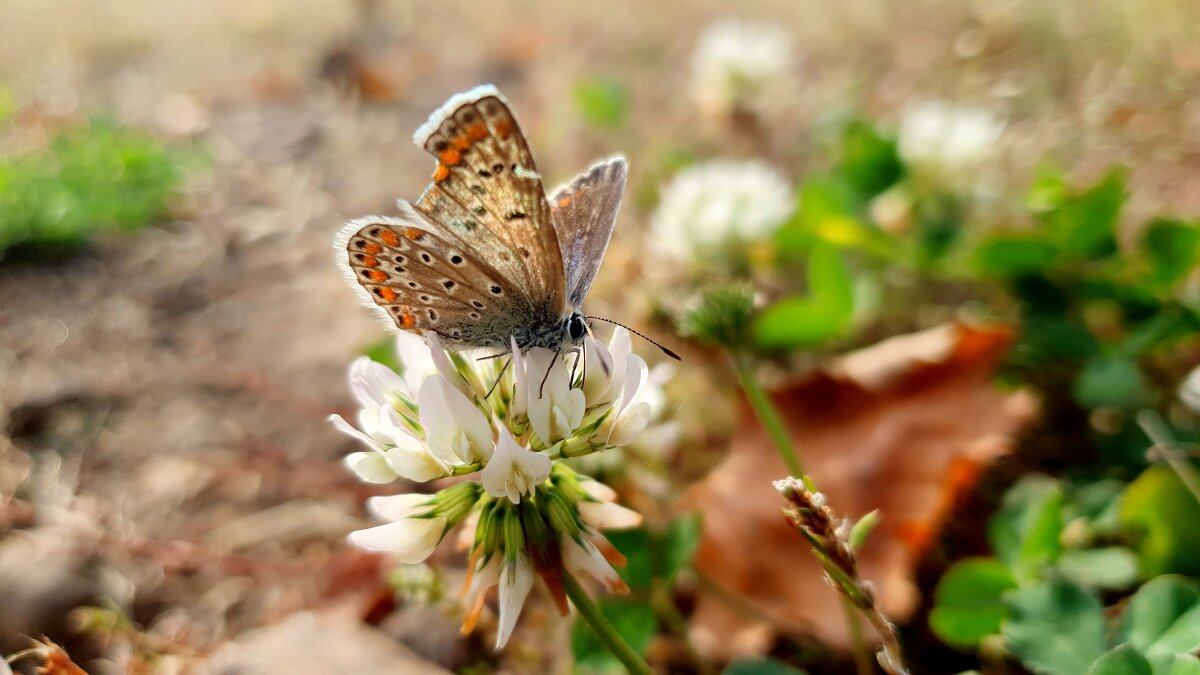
(576, 328)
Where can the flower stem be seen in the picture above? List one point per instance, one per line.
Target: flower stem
(1158, 433)
(604, 630)
(862, 661)
(767, 415)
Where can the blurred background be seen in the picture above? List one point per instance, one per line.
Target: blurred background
(965, 229)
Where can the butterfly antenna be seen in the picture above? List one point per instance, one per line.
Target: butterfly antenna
(666, 351)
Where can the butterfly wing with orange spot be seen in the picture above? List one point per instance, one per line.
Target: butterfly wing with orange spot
(584, 213)
(422, 282)
(487, 197)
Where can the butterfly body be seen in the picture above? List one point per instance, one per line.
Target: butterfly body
(483, 256)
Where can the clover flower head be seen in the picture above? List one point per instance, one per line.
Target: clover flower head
(948, 137)
(712, 205)
(740, 66)
(528, 516)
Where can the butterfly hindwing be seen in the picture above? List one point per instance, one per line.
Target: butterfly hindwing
(584, 213)
(488, 198)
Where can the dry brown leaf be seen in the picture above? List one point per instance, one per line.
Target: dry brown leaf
(905, 427)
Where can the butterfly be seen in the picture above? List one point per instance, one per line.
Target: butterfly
(483, 256)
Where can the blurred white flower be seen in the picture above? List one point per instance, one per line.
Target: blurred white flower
(948, 137)
(514, 471)
(712, 205)
(411, 536)
(1189, 390)
(741, 66)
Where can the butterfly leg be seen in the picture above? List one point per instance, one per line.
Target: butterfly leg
(498, 377)
(542, 387)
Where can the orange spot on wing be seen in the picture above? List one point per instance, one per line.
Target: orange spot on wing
(372, 248)
(450, 157)
(370, 261)
(413, 233)
(503, 128)
(388, 294)
(441, 173)
(477, 132)
(379, 277)
(461, 143)
(390, 238)
(564, 202)
(408, 321)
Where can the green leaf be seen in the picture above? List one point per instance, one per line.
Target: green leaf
(1123, 660)
(1172, 248)
(817, 317)
(680, 542)
(968, 602)
(1054, 627)
(1025, 531)
(830, 282)
(797, 321)
(1007, 256)
(823, 197)
(1164, 617)
(1111, 568)
(862, 529)
(656, 554)
(1049, 190)
(764, 666)
(633, 619)
(603, 103)
(1174, 664)
(869, 159)
(635, 545)
(1083, 226)
(1110, 380)
(1160, 515)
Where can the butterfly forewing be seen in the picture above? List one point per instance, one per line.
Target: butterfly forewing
(488, 197)
(584, 213)
(423, 282)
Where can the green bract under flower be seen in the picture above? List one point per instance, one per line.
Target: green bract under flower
(527, 513)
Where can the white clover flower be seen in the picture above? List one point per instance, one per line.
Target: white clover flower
(741, 66)
(526, 511)
(514, 471)
(947, 137)
(516, 579)
(411, 539)
(709, 206)
(457, 432)
(1189, 390)
(556, 407)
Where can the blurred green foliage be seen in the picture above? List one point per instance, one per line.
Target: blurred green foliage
(97, 178)
(1057, 548)
(603, 103)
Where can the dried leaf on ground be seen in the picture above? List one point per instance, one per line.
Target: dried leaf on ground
(905, 427)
